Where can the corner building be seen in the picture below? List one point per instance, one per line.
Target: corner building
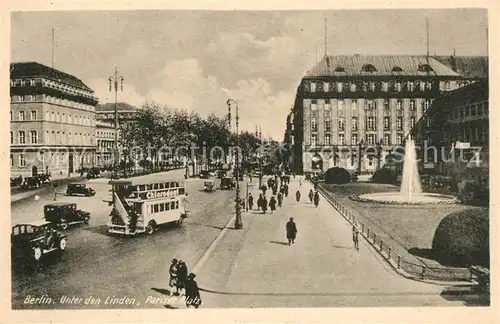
(354, 111)
(52, 121)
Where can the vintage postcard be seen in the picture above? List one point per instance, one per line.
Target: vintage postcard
(179, 163)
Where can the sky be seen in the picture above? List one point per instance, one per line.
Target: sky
(196, 60)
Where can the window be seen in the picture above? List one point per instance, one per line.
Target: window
(156, 208)
(20, 98)
(412, 104)
(354, 123)
(34, 137)
(11, 115)
(410, 86)
(428, 122)
(23, 83)
(422, 85)
(399, 123)
(33, 115)
(354, 139)
(341, 124)
(412, 121)
(473, 110)
(425, 105)
(370, 105)
(447, 86)
(386, 104)
(370, 139)
(397, 86)
(326, 87)
(428, 85)
(368, 68)
(387, 123)
(32, 82)
(22, 137)
(313, 87)
(339, 69)
(314, 125)
(385, 86)
(314, 139)
(11, 158)
(340, 104)
(399, 139)
(352, 87)
(387, 139)
(354, 104)
(22, 160)
(370, 123)
(313, 105)
(11, 137)
(328, 125)
(399, 105)
(397, 69)
(21, 115)
(328, 139)
(53, 118)
(341, 139)
(340, 86)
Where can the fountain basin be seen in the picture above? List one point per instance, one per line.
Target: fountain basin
(396, 198)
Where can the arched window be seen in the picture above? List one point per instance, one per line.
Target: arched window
(397, 69)
(425, 68)
(368, 68)
(339, 69)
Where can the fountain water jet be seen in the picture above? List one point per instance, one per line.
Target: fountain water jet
(411, 190)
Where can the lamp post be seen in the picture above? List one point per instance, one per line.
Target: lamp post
(115, 83)
(238, 224)
(379, 154)
(360, 153)
(259, 133)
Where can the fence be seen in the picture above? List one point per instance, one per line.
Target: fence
(385, 249)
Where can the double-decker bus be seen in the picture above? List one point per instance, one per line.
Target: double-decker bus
(140, 206)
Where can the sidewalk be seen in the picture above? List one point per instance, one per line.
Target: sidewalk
(255, 267)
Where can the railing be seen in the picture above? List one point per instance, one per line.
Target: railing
(120, 208)
(420, 271)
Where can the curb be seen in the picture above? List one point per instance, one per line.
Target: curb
(390, 261)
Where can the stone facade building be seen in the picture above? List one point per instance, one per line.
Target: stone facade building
(52, 121)
(353, 111)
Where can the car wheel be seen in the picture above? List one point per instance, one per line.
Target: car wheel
(62, 244)
(37, 253)
(64, 224)
(151, 228)
(86, 220)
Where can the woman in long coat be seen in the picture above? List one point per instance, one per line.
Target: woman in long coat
(291, 231)
(272, 204)
(297, 195)
(193, 297)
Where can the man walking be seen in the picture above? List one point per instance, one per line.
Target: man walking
(182, 275)
(291, 231)
(272, 204)
(297, 195)
(280, 199)
(264, 204)
(316, 199)
(250, 201)
(193, 298)
(355, 236)
(311, 195)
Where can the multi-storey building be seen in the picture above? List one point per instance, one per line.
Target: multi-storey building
(353, 111)
(106, 112)
(453, 135)
(52, 120)
(105, 142)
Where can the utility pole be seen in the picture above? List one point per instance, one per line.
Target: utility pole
(115, 84)
(238, 223)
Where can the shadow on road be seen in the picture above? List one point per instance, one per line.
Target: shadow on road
(469, 295)
(423, 253)
(161, 291)
(280, 243)
(342, 247)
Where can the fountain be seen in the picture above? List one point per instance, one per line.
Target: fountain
(411, 189)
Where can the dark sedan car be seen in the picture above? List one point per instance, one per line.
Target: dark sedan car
(79, 189)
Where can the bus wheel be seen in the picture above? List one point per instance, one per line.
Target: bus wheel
(180, 221)
(150, 229)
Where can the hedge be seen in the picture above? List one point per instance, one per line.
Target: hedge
(337, 175)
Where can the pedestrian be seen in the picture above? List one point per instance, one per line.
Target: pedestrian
(264, 189)
(250, 201)
(286, 190)
(264, 205)
(193, 298)
(297, 195)
(274, 190)
(300, 182)
(355, 236)
(259, 202)
(291, 231)
(316, 199)
(182, 275)
(311, 195)
(272, 204)
(174, 278)
(280, 199)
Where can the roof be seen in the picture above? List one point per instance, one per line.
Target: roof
(469, 94)
(35, 69)
(111, 107)
(357, 65)
(37, 222)
(475, 67)
(59, 204)
(144, 180)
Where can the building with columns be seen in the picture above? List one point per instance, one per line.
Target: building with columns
(354, 111)
(52, 121)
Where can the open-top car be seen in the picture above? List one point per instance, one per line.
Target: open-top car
(227, 183)
(34, 239)
(79, 189)
(62, 215)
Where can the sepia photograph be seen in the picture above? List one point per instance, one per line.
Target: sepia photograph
(231, 159)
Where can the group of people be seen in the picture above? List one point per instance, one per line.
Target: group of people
(279, 189)
(313, 196)
(182, 281)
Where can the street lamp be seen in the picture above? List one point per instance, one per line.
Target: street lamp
(114, 81)
(238, 224)
(259, 133)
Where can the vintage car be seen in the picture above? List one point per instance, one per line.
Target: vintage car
(62, 215)
(16, 181)
(227, 183)
(79, 189)
(34, 239)
(209, 185)
(93, 173)
(205, 174)
(31, 182)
